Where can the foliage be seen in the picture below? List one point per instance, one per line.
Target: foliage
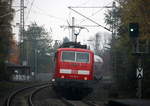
(6, 17)
(124, 64)
(37, 46)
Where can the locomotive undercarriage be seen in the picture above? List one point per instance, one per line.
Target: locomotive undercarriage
(73, 89)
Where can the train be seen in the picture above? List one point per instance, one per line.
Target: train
(74, 69)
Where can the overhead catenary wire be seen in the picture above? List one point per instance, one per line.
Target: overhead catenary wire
(9, 13)
(85, 2)
(43, 12)
(89, 19)
(81, 3)
(30, 9)
(49, 15)
(27, 2)
(101, 8)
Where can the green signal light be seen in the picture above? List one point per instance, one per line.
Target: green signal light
(131, 30)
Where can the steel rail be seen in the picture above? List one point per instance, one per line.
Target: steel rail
(90, 103)
(67, 102)
(14, 93)
(42, 86)
(30, 99)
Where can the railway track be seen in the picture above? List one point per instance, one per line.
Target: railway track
(41, 95)
(20, 96)
(34, 93)
(55, 100)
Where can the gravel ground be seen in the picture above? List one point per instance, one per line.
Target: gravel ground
(47, 97)
(100, 95)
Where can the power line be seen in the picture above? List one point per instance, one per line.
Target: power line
(29, 10)
(10, 13)
(97, 11)
(85, 2)
(47, 14)
(27, 3)
(90, 19)
(92, 7)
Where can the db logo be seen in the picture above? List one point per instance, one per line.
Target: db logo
(74, 71)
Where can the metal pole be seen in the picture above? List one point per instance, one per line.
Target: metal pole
(35, 64)
(113, 38)
(139, 79)
(140, 88)
(73, 29)
(147, 46)
(21, 31)
(137, 46)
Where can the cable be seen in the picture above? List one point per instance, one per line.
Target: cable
(85, 2)
(47, 14)
(29, 10)
(27, 5)
(94, 13)
(89, 19)
(27, 2)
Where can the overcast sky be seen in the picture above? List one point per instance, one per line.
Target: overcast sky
(54, 13)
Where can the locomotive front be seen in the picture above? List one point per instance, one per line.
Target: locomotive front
(74, 68)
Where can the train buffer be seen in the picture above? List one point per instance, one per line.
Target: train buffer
(129, 102)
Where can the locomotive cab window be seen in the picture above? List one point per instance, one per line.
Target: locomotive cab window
(69, 56)
(82, 57)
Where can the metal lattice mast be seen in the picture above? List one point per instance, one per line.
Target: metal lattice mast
(21, 20)
(21, 30)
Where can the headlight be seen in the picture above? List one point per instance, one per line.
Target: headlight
(53, 80)
(65, 71)
(84, 72)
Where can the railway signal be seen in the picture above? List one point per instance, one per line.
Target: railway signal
(134, 35)
(133, 29)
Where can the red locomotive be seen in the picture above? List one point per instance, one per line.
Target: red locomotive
(73, 68)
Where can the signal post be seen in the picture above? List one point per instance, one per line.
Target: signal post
(134, 35)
